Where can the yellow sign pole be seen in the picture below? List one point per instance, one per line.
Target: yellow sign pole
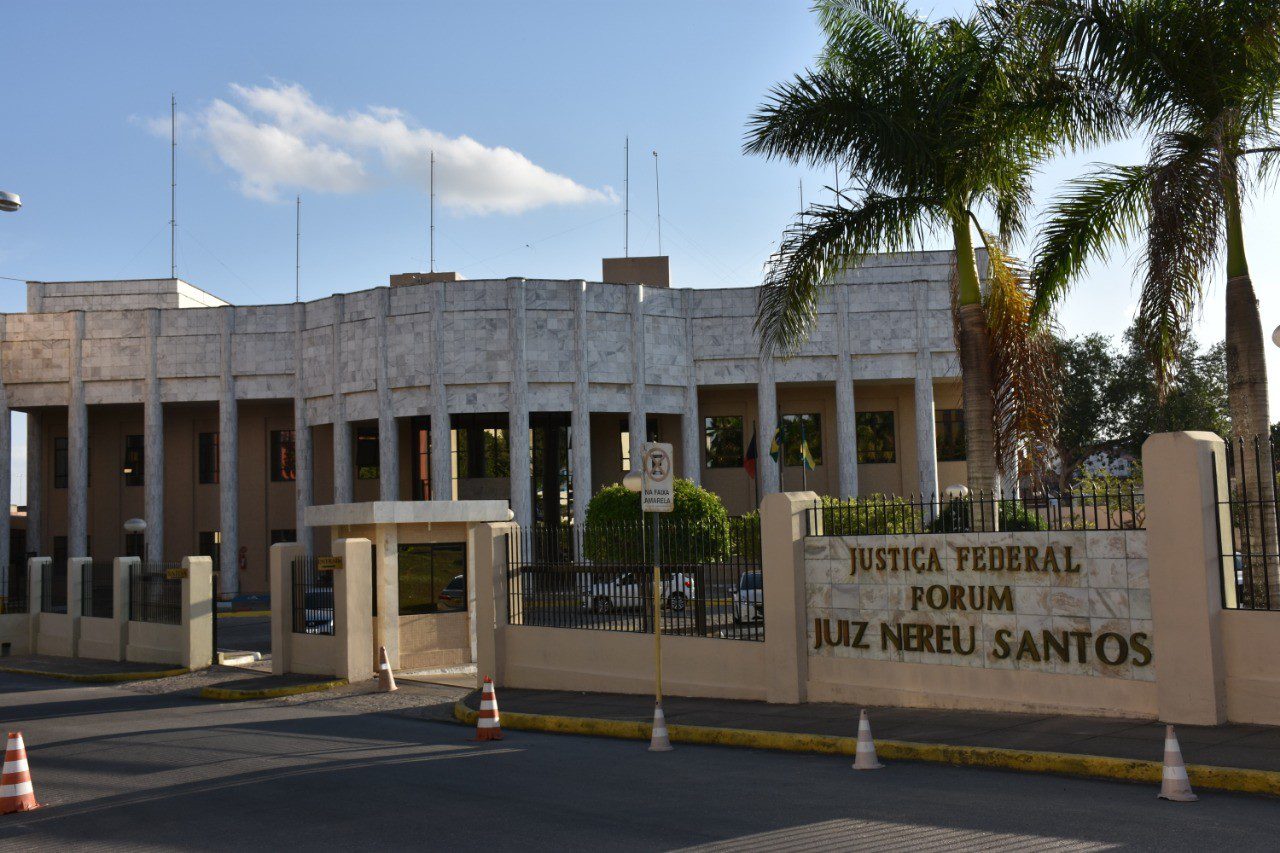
(657, 616)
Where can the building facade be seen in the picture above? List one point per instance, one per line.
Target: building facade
(220, 424)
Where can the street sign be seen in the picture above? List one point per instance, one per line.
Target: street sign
(328, 564)
(658, 494)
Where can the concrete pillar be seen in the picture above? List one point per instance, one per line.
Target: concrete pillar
(121, 571)
(343, 473)
(281, 580)
(487, 545)
(6, 441)
(767, 407)
(197, 612)
(926, 429)
(228, 465)
(153, 452)
(846, 404)
(691, 434)
(77, 447)
(302, 453)
(581, 415)
(35, 482)
(386, 569)
(637, 416)
(1188, 573)
(35, 592)
(353, 610)
(441, 428)
(518, 408)
(782, 532)
(388, 437)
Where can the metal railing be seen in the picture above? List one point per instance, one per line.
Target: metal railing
(97, 590)
(312, 598)
(153, 596)
(53, 588)
(1109, 507)
(1248, 522)
(600, 578)
(15, 596)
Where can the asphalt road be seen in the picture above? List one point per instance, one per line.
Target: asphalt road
(245, 634)
(119, 769)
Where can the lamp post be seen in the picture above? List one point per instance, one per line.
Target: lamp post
(9, 202)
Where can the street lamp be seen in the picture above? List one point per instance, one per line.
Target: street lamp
(9, 202)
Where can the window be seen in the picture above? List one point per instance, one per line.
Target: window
(208, 457)
(551, 463)
(135, 545)
(724, 441)
(432, 578)
(282, 456)
(284, 535)
(210, 546)
(421, 429)
(366, 453)
(950, 435)
(797, 429)
(59, 550)
(60, 462)
(134, 460)
(875, 437)
(480, 447)
(650, 427)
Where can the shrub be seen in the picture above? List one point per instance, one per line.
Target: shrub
(699, 525)
(957, 517)
(872, 515)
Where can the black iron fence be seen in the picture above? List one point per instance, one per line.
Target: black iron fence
(53, 587)
(155, 596)
(1108, 506)
(97, 590)
(15, 596)
(1248, 524)
(312, 597)
(600, 578)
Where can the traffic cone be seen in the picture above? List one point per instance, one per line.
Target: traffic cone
(1174, 784)
(487, 726)
(16, 792)
(865, 756)
(386, 680)
(660, 741)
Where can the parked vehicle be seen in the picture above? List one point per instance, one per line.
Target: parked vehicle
(318, 612)
(631, 590)
(454, 595)
(748, 598)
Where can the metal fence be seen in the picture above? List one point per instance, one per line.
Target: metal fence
(97, 590)
(1108, 507)
(153, 596)
(312, 598)
(1248, 523)
(600, 578)
(14, 592)
(53, 587)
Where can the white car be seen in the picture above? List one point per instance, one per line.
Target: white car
(748, 598)
(632, 590)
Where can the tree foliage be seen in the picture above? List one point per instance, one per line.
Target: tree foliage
(699, 523)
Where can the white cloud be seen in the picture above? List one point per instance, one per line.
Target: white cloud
(279, 140)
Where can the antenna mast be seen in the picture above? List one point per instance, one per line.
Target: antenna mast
(433, 211)
(657, 191)
(626, 197)
(802, 195)
(297, 254)
(173, 185)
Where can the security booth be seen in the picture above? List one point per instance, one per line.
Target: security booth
(423, 571)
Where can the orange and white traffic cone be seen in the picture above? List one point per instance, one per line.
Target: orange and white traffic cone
(660, 741)
(865, 756)
(386, 680)
(16, 791)
(487, 725)
(1174, 784)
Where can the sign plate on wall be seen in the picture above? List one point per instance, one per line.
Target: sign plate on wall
(175, 574)
(328, 564)
(658, 494)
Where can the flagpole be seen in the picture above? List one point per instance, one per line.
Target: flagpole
(755, 481)
(804, 463)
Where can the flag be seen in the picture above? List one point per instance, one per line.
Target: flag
(805, 456)
(775, 448)
(750, 462)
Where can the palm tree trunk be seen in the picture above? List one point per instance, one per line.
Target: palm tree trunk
(975, 367)
(1250, 415)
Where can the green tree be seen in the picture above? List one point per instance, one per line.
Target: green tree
(698, 526)
(934, 121)
(1194, 398)
(1087, 368)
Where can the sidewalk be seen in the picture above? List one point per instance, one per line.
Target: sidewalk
(1255, 748)
(86, 670)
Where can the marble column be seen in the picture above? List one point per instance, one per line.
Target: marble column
(35, 483)
(6, 451)
(846, 402)
(228, 465)
(343, 473)
(388, 435)
(690, 422)
(77, 447)
(302, 454)
(637, 418)
(581, 414)
(441, 427)
(767, 406)
(518, 407)
(926, 439)
(153, 452)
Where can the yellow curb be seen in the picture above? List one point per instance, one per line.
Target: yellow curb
(1091, 766)
(97, 677)
(223, 694)
(233, 614)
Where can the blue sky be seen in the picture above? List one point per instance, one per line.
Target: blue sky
(526, 105)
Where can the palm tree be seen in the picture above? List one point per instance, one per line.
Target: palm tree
(934, 121)
(1202, 79)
